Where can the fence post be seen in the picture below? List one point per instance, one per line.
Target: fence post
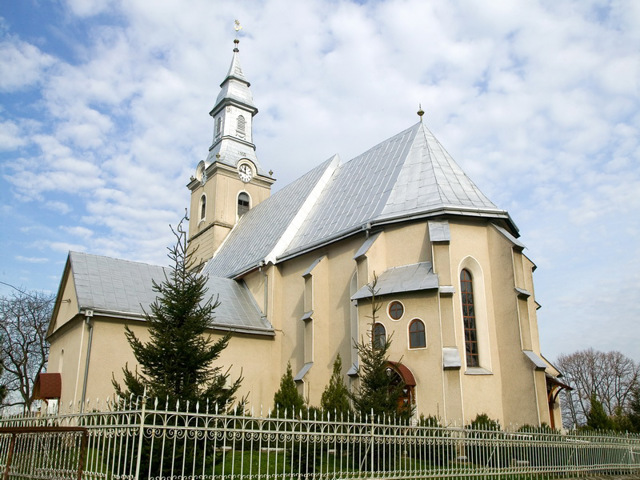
(373, 442)
(141, 434)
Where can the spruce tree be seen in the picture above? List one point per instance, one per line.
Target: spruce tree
(335, 398)
(287, 400)
(177, 363)
(380, 389)
(597, 418)
(634, 410)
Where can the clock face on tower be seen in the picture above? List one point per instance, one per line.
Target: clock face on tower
(245, 172)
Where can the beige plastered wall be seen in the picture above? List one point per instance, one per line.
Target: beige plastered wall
(221, 190)
(247, 356)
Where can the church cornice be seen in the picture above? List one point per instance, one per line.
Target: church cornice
(209, 227)
(230, 101)
(234, 139)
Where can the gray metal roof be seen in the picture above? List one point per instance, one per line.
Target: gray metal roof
(410, 175)
(235, 86)
(407, 278)
(439, 231)
(260, 229)
(124, 288)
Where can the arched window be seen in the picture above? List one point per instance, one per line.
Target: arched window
(396, 310)
(469, 319)
(203, 207)
(417, 335)
(218, 126)
(379, 337)
(243, 203)
(240, 127)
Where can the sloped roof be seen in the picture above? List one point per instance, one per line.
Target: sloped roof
(410, 175)
(260, 229)
(124, 288)
(406, 278)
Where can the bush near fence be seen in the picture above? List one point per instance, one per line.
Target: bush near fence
(135, 440)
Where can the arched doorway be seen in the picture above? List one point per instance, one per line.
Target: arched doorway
(403, 377)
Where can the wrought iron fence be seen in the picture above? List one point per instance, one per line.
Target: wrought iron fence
(137, 441)
(43, 452)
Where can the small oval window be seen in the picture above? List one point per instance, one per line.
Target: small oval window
(396, 310)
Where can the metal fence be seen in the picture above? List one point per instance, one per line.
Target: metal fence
(136, 441)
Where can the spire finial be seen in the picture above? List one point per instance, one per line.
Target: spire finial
(237, 27)
(420, 111)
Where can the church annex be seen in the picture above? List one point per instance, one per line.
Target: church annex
(293, 272)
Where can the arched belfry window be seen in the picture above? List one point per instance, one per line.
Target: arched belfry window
(417, 334)
(241, 126)
(203, 207)
(243, 203)
(218, 126)
(469, 319)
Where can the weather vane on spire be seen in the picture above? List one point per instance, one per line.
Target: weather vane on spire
(237, 27)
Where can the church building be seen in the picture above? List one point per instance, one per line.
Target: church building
(295, 272)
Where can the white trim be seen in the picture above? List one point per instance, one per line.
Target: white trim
(389, 308)
(424, 324)
(201, 217)
(238, 198)
(471, 264)
(303, 212)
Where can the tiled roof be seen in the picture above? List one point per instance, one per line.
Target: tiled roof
(121, 287)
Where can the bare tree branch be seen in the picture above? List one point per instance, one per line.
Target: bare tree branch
(610, 376)
(24, 318)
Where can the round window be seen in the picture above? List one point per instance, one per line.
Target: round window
(396, 310)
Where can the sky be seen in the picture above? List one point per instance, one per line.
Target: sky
(104, 117)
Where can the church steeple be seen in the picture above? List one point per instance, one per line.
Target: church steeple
(230, 181)
(233, 119)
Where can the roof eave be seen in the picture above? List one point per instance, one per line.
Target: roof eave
(449, 210)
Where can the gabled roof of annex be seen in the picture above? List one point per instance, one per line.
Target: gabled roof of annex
(122, 288)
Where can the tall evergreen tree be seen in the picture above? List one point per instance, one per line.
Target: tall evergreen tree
(178, 360)
(634, 410)
(287, 399)
(597, 418)
(380, 390)
(335, 398)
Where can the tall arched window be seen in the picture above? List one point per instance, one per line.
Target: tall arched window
(203, 207)
(241, 125)
(469, 318)
(379, 337)
(417, 334)
(243, 203)
(218, 126)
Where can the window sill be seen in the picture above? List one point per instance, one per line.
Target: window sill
(477, 371)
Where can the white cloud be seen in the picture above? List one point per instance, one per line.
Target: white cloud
(11, 136)
(537, 101)
(59, 207)
(65, 247)
(20, 258)
(22, 64)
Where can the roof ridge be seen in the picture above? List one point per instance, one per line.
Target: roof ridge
(72, 252)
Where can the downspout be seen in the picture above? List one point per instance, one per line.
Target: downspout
(265, 276)
(88, 316)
